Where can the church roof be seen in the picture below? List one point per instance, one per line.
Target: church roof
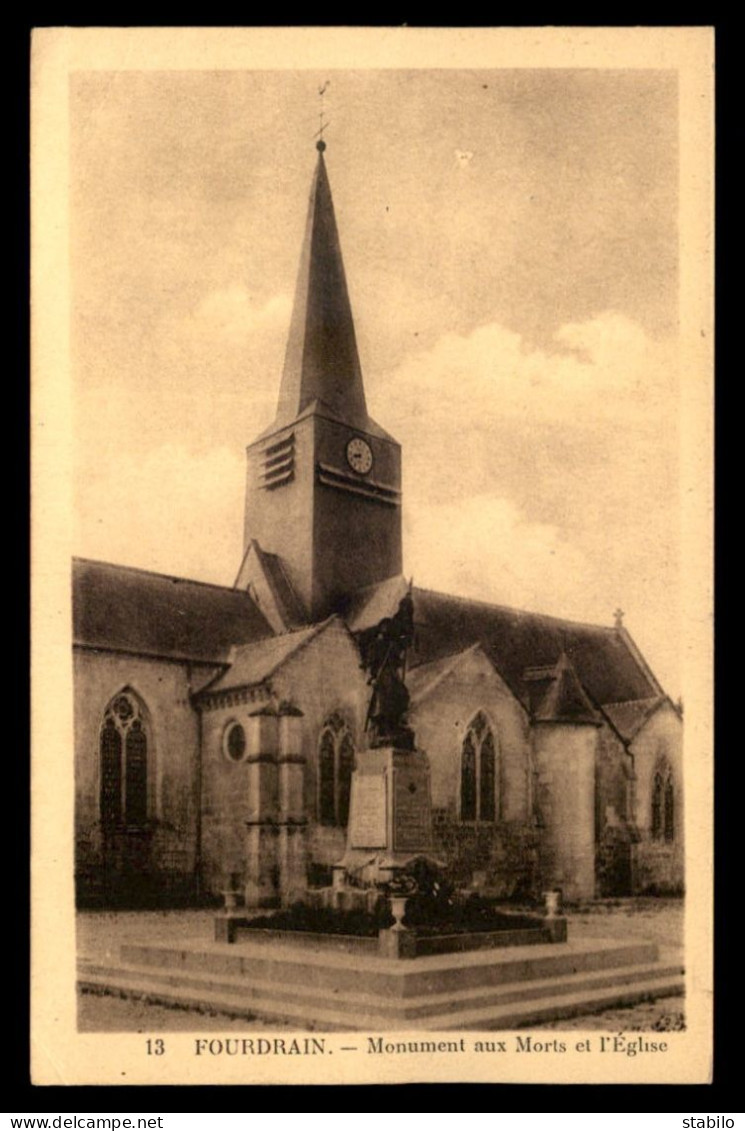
(514, 640)
(421, 681)
(370, 605)
(282, 588)
(629, 718)
(119, 608)
(251, 664)
(562, 699)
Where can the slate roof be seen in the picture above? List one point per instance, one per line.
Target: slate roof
(370, 605)
(422, 680)
(251, 664)
(285, 596)
(118, 608)
(562, 699)
(629, 718)
(515, 641)
(321, 360)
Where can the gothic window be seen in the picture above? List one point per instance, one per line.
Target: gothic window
(335, 765)
(669, 822)
(468, 779)
(479, 777)
(123, 751)
(663, 805)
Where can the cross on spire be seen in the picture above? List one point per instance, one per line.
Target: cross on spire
(321, 144)
(619, 614)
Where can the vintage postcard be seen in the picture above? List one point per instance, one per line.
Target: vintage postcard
(372, 658)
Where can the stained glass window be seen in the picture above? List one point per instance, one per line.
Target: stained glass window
(346, 765)
(479, 785)
(669, 809)
(486, 779)
(663, 804)
(124, 787)
(468, 779)
(136, 776)
(657, 807)
(335, 766)
(326, 774)
(111, 774)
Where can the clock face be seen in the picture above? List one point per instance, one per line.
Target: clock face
(359, 455)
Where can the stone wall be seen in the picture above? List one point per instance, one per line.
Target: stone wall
(323, 678)
(156, 863)
(501, 859)
(224, 793)
(501, 855)
(441, 717)
(659, 863)
(615, 831)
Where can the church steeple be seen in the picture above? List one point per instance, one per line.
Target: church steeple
(321, 361)
(323, 492)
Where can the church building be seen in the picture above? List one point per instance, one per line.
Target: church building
(217, 728)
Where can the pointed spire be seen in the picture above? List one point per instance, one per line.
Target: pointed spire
(321, 361)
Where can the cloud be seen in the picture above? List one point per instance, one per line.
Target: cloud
(485, 548)
(546, 478)
(601, 370)
(233, 313)
(171, 510)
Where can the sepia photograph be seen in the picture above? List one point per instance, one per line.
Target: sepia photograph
(381, 560)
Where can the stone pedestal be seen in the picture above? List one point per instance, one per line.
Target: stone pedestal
(390, 813)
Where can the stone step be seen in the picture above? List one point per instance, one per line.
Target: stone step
(389, 978)
(304, 1004)
(312, 1015)
(209, 1001)
(557, 1008)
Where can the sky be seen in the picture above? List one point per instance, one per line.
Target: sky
(511, 248)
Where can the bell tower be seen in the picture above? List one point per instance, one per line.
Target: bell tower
(323, 494)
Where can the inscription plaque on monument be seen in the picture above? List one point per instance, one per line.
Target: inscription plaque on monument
(412, 817)
(367, 823)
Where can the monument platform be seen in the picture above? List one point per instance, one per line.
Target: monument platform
(493, 989)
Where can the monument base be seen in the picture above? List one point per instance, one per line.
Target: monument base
(390, 817)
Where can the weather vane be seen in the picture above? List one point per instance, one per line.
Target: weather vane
(321, 144)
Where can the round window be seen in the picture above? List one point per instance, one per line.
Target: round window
(235, 742)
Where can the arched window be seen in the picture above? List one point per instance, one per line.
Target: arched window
(669, 807)
(335, 765)
(123, 750)
(479, 774)
(663, 804)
